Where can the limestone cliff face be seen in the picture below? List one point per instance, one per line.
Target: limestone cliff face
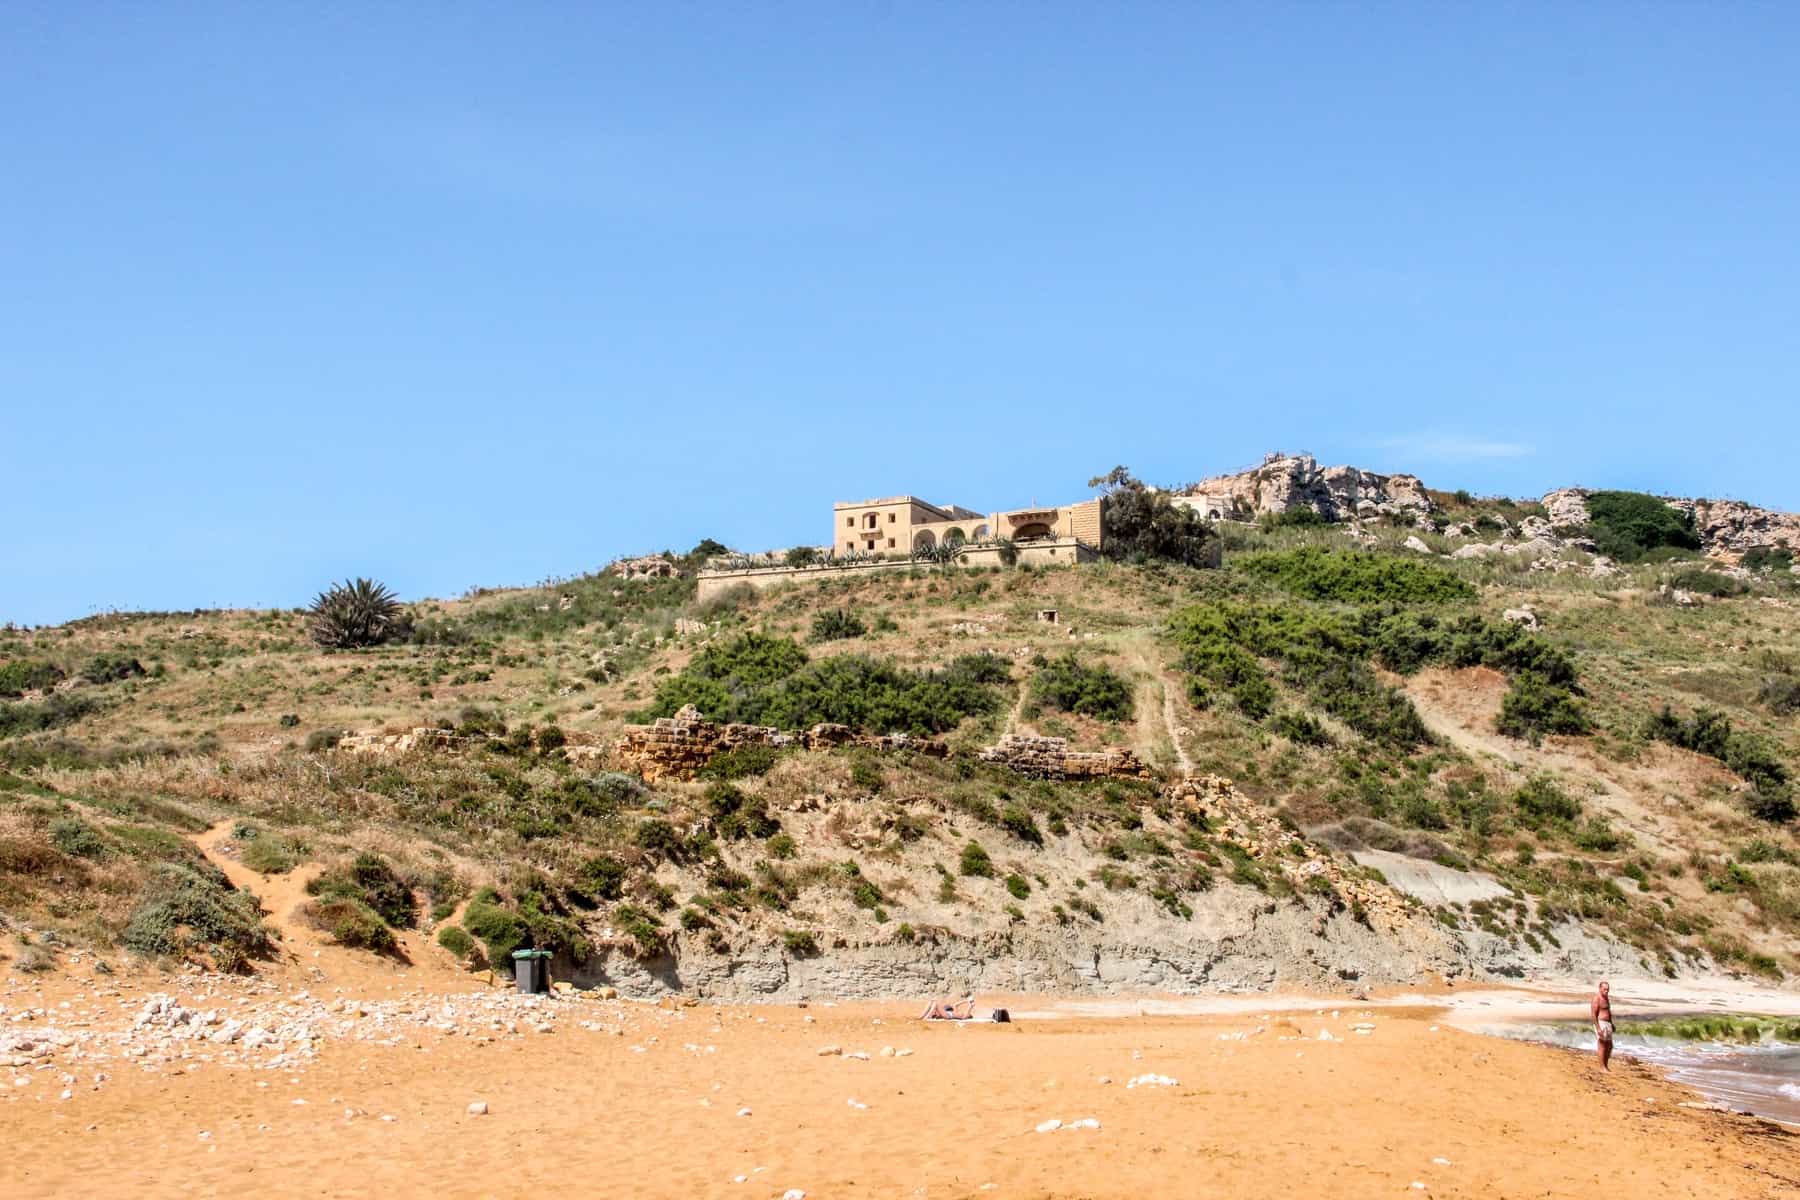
(1727, 528)
(1285, 482)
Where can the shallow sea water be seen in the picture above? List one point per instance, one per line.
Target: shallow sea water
(1762, 1078)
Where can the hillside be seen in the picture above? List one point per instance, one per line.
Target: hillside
(1355, 754)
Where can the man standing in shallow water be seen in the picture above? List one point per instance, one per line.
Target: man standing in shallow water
(1601, 1010)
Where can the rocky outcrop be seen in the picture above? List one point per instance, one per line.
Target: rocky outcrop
(1285, 482)
(1051, 758)
(1566, 508)
(1729, 528)
(648, 567)
(1726, 528)
(677, 747)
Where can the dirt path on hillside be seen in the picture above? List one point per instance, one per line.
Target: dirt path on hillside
(283, 895)
(1158, 738)
(1460, 706)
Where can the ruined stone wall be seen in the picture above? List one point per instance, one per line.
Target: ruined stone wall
(1051, 758)
(677, 747)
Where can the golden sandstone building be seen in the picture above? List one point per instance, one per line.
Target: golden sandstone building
(903, 524)
(881, 535)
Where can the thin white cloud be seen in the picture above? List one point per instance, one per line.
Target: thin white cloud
(1450, 447)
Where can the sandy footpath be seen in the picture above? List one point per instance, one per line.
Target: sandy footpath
(619, 1098)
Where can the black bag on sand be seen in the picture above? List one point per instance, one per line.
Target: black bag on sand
(1002, 1017)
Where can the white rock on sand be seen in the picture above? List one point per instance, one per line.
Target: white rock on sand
(478, 1108)
(1151, 1081)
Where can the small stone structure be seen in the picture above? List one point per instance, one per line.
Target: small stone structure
(1051, 758)
(677, 747)
(1049, 616)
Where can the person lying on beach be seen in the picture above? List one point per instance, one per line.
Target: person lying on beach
(1601, 1010)
(950, 1010)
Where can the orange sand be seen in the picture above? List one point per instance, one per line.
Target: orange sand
(580, 1112)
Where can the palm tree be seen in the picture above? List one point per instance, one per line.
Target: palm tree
(354, 613)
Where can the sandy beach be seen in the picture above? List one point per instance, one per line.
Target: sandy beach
(367, 1091)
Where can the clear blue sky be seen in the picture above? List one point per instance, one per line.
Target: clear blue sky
(452, 294)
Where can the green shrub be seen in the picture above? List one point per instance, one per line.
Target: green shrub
(323, 739)
(1302, 727)
(56, 709)
(1534, 706)
(370, 881)
(500, 929)
(1541, 803)
(736, 815)
(1096, 691)
(1019, 823)
(1302, 517)
(781, 846)
(1356, 577)
(289, 721)
(183, 913)
(110, 668)
(1707, 583)
(1770, 558)
(657, 836)
(1781, 693)
(550, 738)
(24, 675)
(975, 861)
(837, 624)
(800, 943)
(269, 853)
(1019, 886)
(352, 923)
(769, 681)
(601, 877)
(457, 941)
(740, 762)
(641, 927)
(1630, 526)
(76, 837)
(866, 774)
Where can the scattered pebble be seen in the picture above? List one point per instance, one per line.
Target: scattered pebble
(478, 1108)
(1050, 1126)
(1151, 1081)
(857, 1104)
(743, 1112)
(830, 1051)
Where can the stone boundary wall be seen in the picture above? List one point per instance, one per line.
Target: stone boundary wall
(677, 747)
(1049, 553)
(1051, 758)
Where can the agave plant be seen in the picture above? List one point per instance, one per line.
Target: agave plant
(354, 613)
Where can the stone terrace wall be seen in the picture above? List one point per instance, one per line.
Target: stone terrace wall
(1051, 758)
(677, 747)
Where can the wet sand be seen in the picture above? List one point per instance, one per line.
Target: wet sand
(632, 1099)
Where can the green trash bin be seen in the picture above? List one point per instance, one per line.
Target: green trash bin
(529, 970)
